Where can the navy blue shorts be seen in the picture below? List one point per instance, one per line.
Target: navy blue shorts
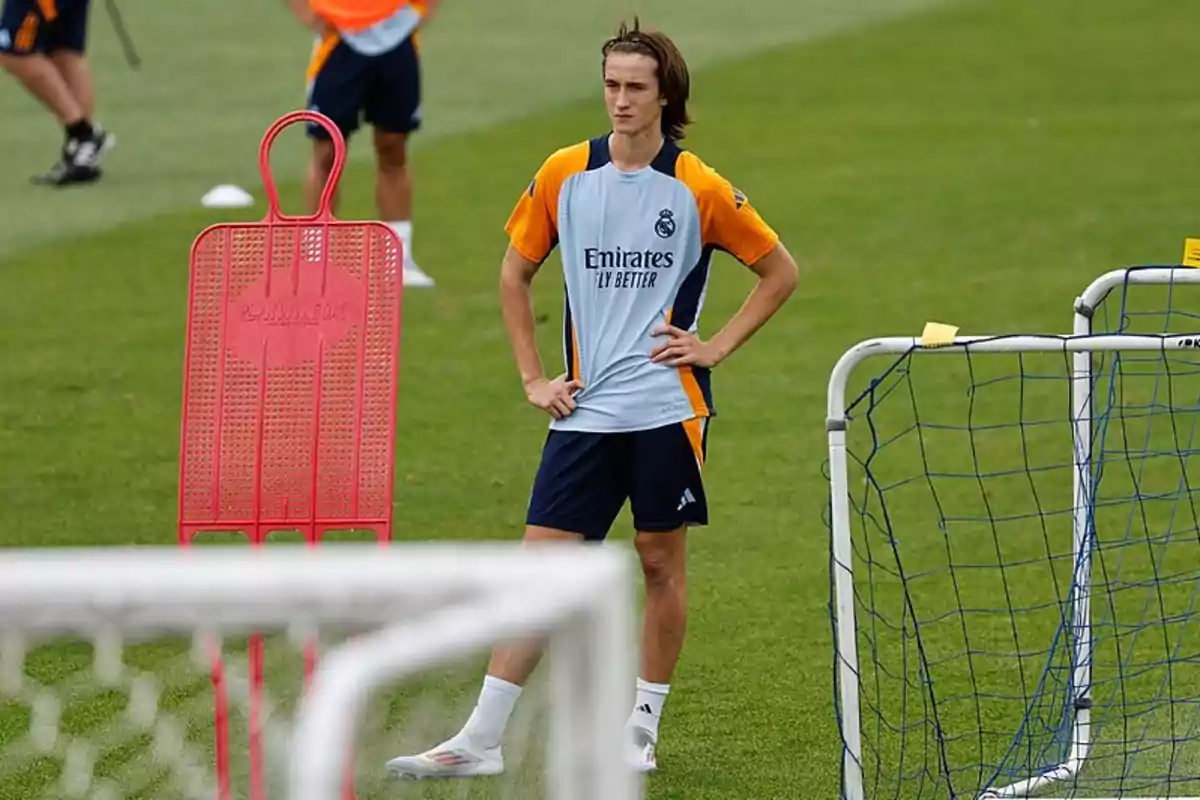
(43, 26)
(585, 478)
(349, 87)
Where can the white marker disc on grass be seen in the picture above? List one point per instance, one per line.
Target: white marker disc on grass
(227, 196)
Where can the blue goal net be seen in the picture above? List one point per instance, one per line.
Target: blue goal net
(1024, 544)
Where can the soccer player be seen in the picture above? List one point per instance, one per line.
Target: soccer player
(365, 64)
(637, 220)
(42, 44)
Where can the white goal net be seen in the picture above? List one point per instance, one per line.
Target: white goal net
(1016, 566)
(135, 673)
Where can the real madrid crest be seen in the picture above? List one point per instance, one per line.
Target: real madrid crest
(665, 225)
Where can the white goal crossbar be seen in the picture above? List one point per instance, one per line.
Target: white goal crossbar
(1087, 302)
(411, 607)
(1081, 346)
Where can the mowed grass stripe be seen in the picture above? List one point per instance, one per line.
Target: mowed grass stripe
(193, 116)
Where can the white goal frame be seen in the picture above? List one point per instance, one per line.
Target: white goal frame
(1099, 289)
(422, 605)
(845, 629)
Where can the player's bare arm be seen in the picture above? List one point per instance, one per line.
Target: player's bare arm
(555, 397)
(777, 278)
(303, 11)
(431, 9)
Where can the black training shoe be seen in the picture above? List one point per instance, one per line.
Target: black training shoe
(86, 152)
(65, 173)
(80, 160)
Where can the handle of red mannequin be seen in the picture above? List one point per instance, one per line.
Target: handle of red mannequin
(264, 163)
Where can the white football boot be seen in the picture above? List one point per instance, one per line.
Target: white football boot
(454, 758)
(415, 277)
(641, 755)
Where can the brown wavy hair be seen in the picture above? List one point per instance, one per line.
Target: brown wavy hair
(674, 82)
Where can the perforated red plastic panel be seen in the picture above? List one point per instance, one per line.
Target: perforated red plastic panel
(291, 371)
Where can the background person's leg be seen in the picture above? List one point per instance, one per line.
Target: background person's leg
(66, 45)
(60, 80)
(337, 80)
(320, 166)
(393, 196)
(23, 36)
(41, 78)
(393, 107)
(77, 74)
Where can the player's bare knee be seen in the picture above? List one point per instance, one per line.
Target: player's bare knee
(64, 57)
(662, 558)
(10, 63)
(537, 534)
(323, 156)
(391, 151)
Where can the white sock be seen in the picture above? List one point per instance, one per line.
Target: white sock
(404, 231)
(487, 722)
(648, 707)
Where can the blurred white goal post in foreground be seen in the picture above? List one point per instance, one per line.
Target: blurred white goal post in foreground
(409, 607)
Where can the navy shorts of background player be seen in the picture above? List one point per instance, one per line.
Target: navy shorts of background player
(43, 26)
(585, 478)
(351, 87)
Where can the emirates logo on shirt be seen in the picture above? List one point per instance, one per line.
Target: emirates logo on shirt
(627, 269)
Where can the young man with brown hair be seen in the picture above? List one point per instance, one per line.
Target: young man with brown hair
(637, 219)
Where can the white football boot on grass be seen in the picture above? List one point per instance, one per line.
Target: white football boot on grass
(454, 758)
(641, 756)
(415, 277)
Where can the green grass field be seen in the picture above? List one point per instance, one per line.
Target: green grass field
(976, 163)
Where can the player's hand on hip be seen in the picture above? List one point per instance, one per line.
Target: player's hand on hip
(682, 349)
(555, 397)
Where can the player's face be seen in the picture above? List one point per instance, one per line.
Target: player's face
(631, 93)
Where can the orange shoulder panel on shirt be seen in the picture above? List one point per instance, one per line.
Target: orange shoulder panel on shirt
(355, 15)
(533, 225)
(727, 220)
